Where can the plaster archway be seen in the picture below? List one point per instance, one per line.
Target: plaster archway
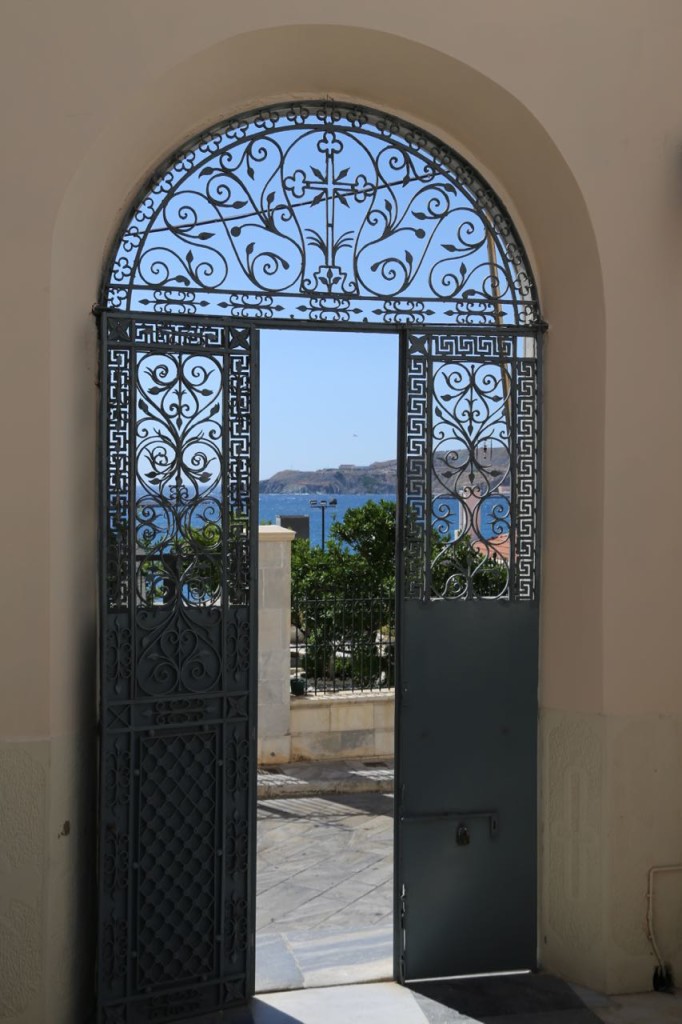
(491, 128)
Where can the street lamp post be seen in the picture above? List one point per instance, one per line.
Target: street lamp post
(323, 504)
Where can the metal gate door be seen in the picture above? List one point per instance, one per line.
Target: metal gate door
(177, 648)
(468, 618)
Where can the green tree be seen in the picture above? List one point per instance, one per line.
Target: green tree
(343, 597)
(369, 532)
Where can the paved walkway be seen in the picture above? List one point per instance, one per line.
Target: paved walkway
(325, 877)
(388, 1003)
(324, 918)
(320, 778)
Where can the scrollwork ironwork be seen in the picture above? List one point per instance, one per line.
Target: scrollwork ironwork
(318, 212)
(178, 460)
(115, 860)
(118, 385)
(322, 211)
(174, 1004)
(237, 844)
(237, 764)
(471, 465)
(236, 927)
(178, 712)
(527, 468)
(415, 504)
(176, 661)
(119, 643)
(178, 650)
(117, 774)
(238, 503)
(115, 1015)
(115, 954)
(471, 471)
(237, 646)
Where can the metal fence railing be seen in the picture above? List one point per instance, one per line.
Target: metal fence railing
(343, 645)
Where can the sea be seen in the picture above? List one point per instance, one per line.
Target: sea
(270, 506)
(273, 505)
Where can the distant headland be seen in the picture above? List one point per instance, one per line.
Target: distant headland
(377, 478)
(382, 477)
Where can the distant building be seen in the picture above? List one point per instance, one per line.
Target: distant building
(299, 524)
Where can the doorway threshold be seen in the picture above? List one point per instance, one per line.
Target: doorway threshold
(322, 959)
(325, 891)
(390, 1003)
(377, 1003)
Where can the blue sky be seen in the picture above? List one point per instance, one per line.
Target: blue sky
(326, 398)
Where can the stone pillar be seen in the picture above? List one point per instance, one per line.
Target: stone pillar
(274, 633)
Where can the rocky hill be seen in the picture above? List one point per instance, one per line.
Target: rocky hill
(377, 478)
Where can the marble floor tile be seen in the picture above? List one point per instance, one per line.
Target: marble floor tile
(646, 1008)
(325, 869)
(360, 1004)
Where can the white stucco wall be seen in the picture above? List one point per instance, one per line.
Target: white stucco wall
(572, 112)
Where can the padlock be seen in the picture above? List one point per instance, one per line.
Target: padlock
(463, 836)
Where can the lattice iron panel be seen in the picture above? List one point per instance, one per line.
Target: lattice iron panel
(178, 630)
(471, 459)
(326, 212)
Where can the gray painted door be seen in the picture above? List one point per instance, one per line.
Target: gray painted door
(177, 658)
(468, 629)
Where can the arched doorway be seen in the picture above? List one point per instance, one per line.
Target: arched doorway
(312, 213)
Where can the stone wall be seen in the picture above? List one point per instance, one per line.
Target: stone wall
(305, 728)
(274, 628)
(340, 726)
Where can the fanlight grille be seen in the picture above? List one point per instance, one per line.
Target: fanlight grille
(322, 212)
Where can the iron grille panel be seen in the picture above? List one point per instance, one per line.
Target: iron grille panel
(343, 644)
(178, 631)
(324, 212)
(177, 871)
(240, 482)
(470, 475)
(527, 469)
(118, 383)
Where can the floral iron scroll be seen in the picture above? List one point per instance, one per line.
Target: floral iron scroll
(471, 467)
(322, 212)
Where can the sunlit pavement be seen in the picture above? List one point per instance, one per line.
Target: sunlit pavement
(325, 891)
(388, 1003)
(324, 926)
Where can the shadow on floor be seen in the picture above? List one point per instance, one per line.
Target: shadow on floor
(521, 999)
(325, 891)
(378, 804)
(352, 1004)
(256, 1012)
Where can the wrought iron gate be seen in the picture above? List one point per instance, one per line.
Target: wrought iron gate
(177, 658)
(468, 628)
